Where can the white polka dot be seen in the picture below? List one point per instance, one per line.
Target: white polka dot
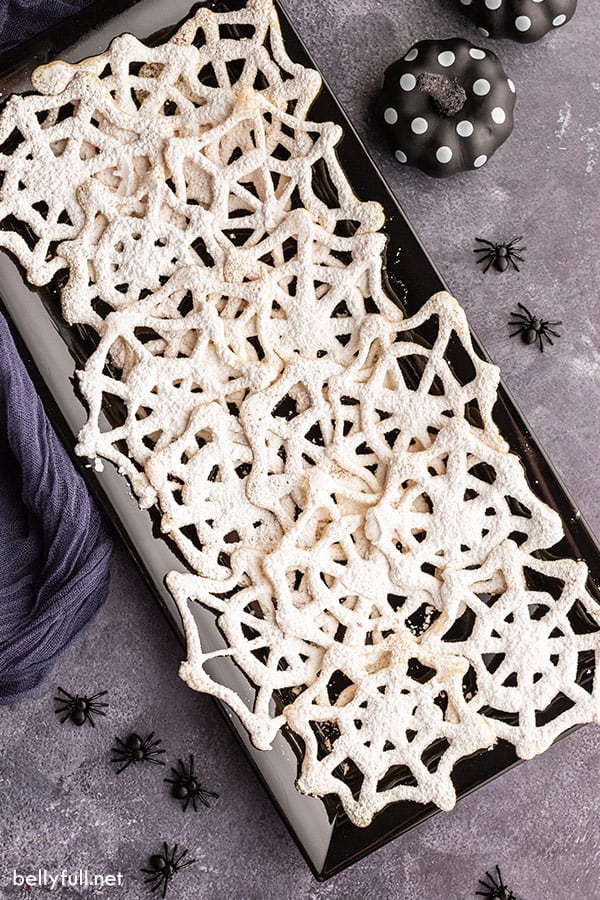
(559, 20)
(466, 2)
(476, 53)
(400, 156)
(511, 85)
(481, 87)
(390, 116)
(419, 125)
(522, 23)
(443, 154)
(446, 58)
(480, 161)
(464, 128)
(484, 31)
(412, 54)
(408, 82)
(493, 4)
(498, 115)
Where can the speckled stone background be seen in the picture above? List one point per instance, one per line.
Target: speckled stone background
(60, 803)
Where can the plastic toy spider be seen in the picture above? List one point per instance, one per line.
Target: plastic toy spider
(495, 889)
(186, 786)
(136, 749)
(500, 255)
(163, 866)
(79, 709)
(531, 328)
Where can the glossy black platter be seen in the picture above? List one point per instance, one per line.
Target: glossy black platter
(52, 351)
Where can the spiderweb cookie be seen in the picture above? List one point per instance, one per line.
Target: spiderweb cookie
(379, 569)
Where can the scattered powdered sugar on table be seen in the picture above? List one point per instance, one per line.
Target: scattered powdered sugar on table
(344, 502)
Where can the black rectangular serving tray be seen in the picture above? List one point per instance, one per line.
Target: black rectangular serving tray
(52, 351)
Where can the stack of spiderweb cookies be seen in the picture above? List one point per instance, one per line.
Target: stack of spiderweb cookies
(342, 499)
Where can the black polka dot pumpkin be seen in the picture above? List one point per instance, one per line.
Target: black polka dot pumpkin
(521, 20)
(447, 106)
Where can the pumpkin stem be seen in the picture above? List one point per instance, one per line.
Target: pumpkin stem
(448, 96)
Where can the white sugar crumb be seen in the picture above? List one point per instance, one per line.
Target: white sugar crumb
(344, 502)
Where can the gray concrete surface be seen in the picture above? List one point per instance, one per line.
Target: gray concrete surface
(61, 806)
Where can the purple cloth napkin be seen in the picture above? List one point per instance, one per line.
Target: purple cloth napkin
(54, 548)
(21, 19)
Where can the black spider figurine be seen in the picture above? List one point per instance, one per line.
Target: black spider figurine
(531, 328)
(163, 866)
(495, 889)
(136, 749)
(79, 709)
(500, 255)
(186, 786)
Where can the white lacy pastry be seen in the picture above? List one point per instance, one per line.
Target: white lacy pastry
(373, 555)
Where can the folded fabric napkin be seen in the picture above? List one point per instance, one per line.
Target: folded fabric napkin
(21, 19)
(54, 547)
